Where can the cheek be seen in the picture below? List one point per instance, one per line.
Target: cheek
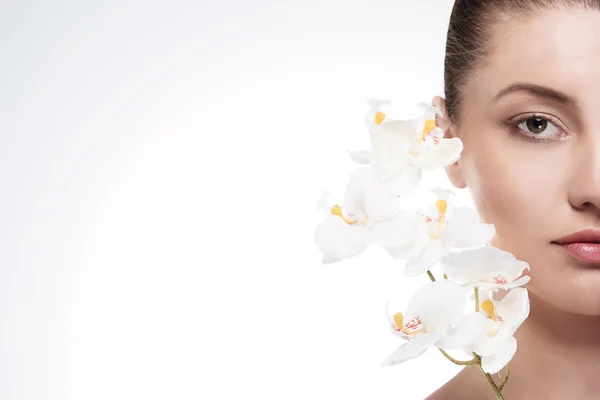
(512, 187)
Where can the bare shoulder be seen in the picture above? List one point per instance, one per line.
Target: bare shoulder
(463, 386)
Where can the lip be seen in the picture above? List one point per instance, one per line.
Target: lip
(583, 245)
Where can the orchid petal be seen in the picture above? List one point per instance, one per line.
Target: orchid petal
(337, 240)
(470, 328)
(514, 308)
(360, 157)
(483, 265)
(390, 146)
(494, 363)
(419, 241)
(491, 342)
(427, 259)
(438, 305)
(323, 205)
(478, 235)
(464, 229)
(445, 153)
(396, 233)
(507, 286)
(366, 192)
(412, 349)
(405, 180)
(442, 193)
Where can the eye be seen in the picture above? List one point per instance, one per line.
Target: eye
(538, 126)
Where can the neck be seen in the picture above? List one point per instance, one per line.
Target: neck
(558, 354)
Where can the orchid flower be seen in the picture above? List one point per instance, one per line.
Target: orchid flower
(369, 214)
(486, 268)
(402, 149)
(443, 227)
(498, 345)
(434, 317)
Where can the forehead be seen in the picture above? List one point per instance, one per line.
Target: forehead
(559, 48)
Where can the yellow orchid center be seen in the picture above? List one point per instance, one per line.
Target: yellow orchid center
(488, 307)
(411, 325)
(337, 210)
(442, 206)
(379, 117)
(429, 126)
(399, 319)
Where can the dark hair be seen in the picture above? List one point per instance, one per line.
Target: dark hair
(470, 38)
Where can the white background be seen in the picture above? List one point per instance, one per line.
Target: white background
(160, 164)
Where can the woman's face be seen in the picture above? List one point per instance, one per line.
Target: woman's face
(538, 179)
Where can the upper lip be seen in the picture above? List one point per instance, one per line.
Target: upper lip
(582, 236)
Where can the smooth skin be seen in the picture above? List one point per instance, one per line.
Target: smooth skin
(538, 185)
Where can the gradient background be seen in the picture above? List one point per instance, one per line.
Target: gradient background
(160, 168)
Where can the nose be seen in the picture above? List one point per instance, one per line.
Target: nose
(584, 182)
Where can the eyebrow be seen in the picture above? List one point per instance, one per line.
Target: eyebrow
(538, 91)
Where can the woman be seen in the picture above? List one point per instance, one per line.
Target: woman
(522, 84)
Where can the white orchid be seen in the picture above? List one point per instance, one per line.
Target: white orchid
(487, 268)
(402, 149)
(369, 214)
(498, 345)
(441, 228)
(434, 317)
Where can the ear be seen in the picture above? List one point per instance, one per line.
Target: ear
(454, 171)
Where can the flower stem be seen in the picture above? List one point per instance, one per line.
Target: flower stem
(476, 291)
(490, 380)
(430, 276)
(473, 361)
(501, 385)
(493, 386)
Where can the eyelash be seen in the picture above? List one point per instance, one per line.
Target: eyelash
(536, 138)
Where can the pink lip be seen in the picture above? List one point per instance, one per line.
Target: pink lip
(583, 245)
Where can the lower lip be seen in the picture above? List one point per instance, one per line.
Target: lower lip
(586, 252)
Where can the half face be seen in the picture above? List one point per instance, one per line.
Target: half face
(530, 124)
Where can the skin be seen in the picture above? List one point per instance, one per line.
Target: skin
(535, 192)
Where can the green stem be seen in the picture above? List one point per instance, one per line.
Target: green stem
(476, 291)
(473, 361)
(430, 276)
(490, 380)
(501, 385)
(493, 386)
